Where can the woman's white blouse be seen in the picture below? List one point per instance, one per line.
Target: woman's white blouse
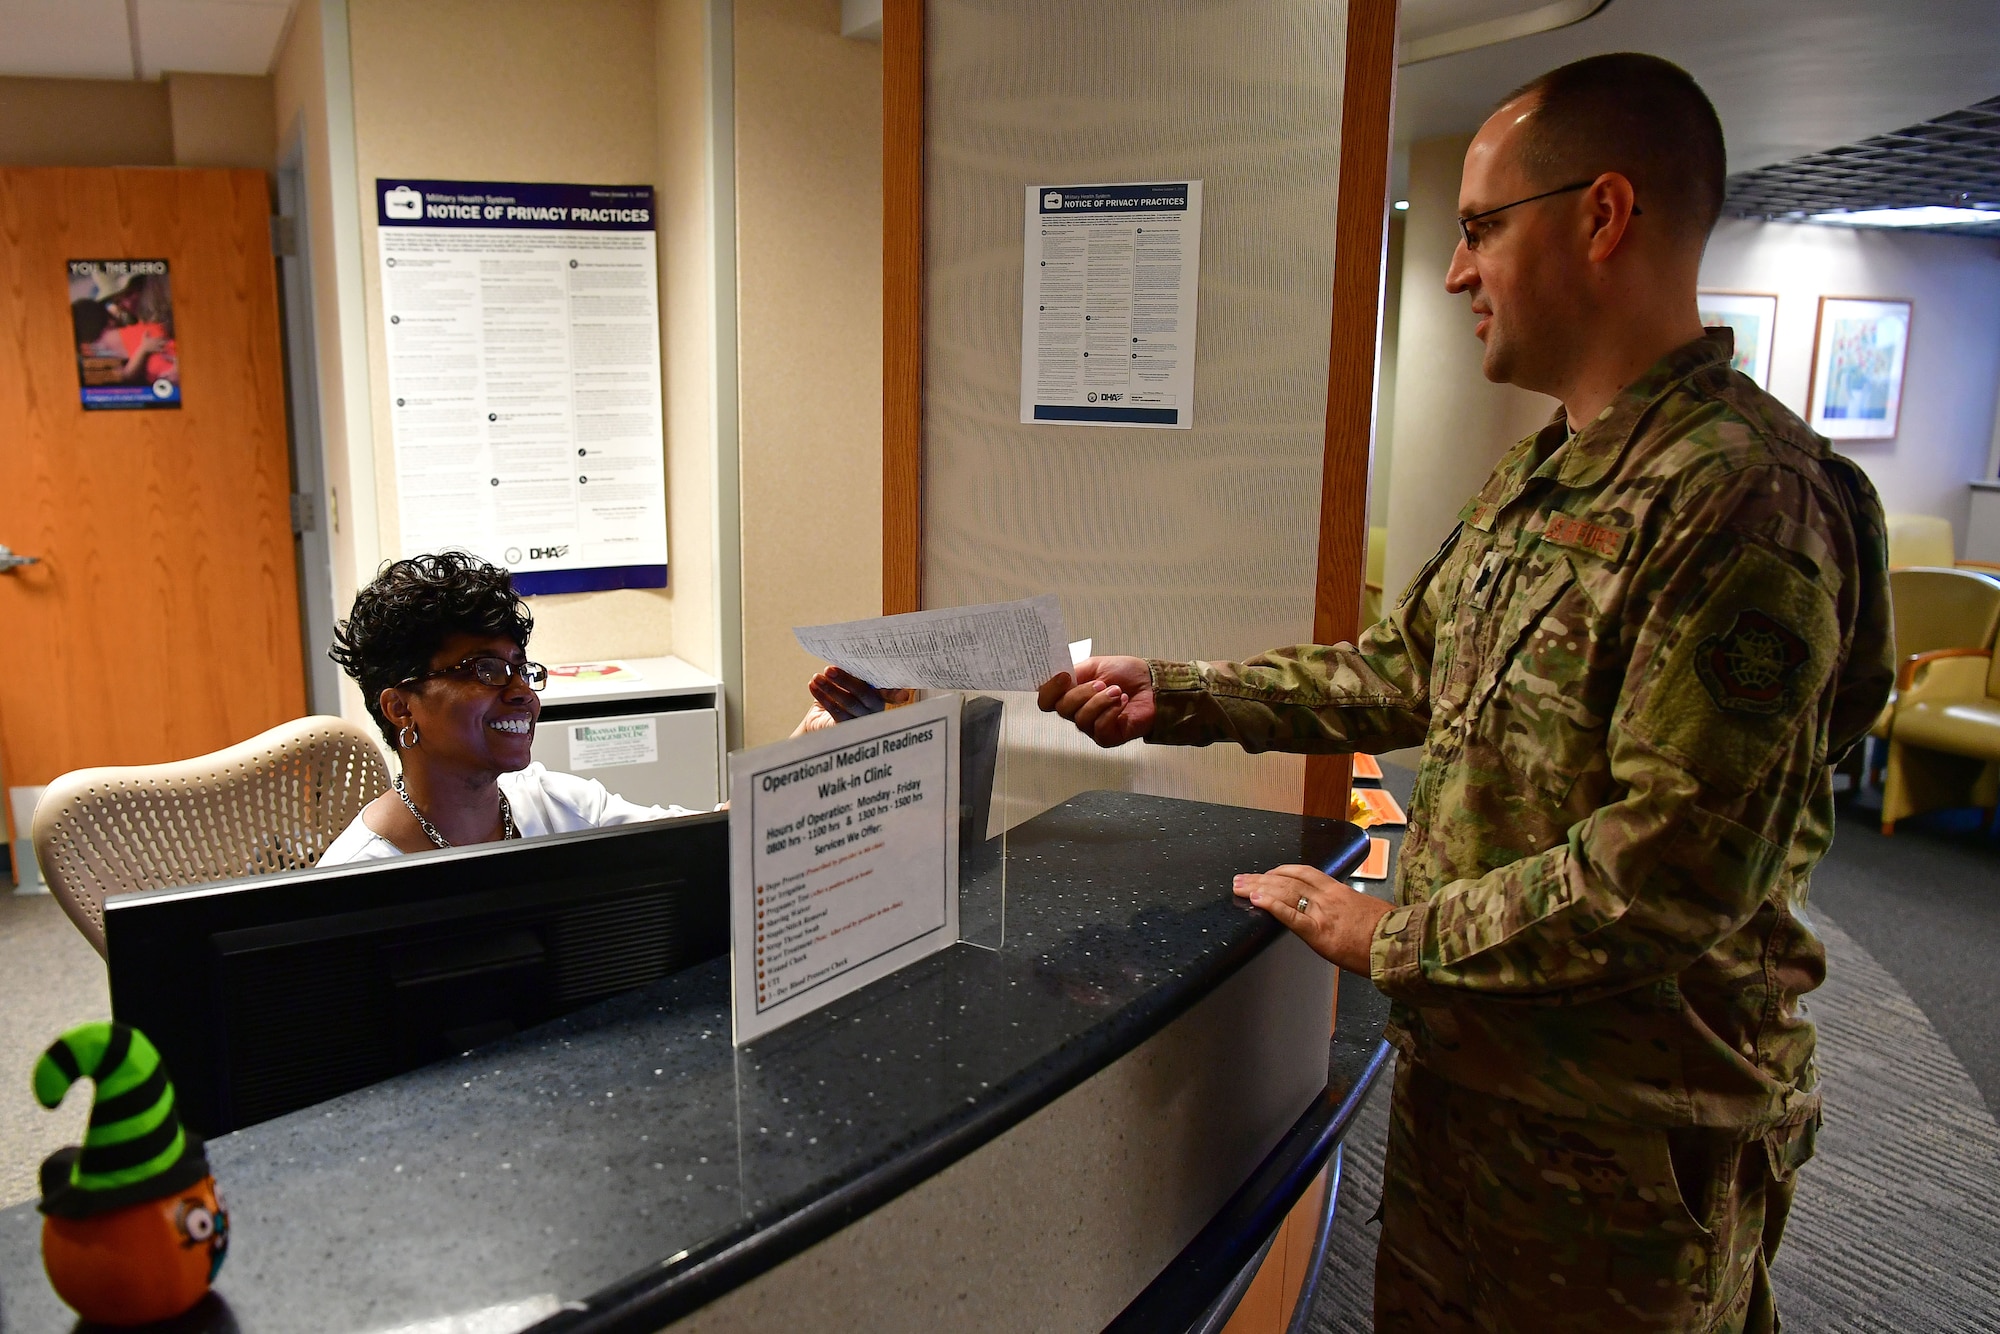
(542, 802)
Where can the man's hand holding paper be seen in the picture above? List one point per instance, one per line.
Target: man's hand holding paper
(1110, 699)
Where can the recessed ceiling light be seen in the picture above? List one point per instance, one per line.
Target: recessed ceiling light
(1402, 205)
(1928, 216)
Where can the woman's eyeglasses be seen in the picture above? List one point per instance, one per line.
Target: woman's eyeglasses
(490, 671)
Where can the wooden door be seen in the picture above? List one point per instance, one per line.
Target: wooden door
(161, 621)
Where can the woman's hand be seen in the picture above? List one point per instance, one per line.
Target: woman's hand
(842, 697)
(817, 719)
(1336, 921)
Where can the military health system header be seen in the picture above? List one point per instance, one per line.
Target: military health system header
(1114, 198)
(512, 204)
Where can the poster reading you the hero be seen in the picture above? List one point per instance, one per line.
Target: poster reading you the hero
(121, 314)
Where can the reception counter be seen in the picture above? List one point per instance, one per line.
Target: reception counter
(1097, 1121)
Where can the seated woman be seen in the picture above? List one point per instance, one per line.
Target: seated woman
(439, 646)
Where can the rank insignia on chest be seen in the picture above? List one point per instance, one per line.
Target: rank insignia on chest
(1566, 530)
(1748, 668)
(1484, 580)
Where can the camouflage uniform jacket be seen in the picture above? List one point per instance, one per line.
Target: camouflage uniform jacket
(1630, 667)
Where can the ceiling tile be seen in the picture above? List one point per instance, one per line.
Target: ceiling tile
(1951, 160)
(64, 39)
(209, 36)
(1788, 77)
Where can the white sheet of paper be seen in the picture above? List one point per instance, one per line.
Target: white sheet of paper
(843, 860)
(996, 646)
(1078, 651)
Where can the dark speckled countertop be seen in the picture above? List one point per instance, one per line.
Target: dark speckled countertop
(626, 1153)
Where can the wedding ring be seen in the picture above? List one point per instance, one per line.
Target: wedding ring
(1303, 903)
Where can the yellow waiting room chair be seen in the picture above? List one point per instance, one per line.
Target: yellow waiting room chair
(1936, 609)
(1943, 722)
(272, 803)
(1920, 539)
(1925, 539)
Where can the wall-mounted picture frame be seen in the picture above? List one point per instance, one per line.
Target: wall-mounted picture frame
(1753, 318)
(1860, 345)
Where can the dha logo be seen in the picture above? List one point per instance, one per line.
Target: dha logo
(547, 553)
(1052, 199)
(403, 202)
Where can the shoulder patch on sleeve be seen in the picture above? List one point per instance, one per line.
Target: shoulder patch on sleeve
(1752, 654)
(1749, 668)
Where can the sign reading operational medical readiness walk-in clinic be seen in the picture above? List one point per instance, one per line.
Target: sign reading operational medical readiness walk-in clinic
(1108, 304)
(843, 860)
(522, 326)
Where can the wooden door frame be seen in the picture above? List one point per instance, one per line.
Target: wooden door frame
(902, 305)
(1360, 248)
(1361, 232)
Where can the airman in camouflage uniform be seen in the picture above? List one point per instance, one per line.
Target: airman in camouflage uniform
(1629, 667)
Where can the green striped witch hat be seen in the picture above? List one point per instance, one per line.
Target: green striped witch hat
(135, 1149)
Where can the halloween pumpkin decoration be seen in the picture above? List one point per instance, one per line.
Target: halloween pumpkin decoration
(133, 1230)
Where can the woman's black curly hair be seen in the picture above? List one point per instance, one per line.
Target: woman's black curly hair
(399, 622)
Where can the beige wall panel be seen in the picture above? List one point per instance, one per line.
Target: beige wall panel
(223, 120)
(1175, 544)
(84, 123)
(687, 323)
(1451, 425)
(1385, 377)
(309, 99)
(1060, 1222)
(508, 90)
(809, 278)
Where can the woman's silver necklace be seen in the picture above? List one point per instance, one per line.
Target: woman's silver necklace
(507, 829)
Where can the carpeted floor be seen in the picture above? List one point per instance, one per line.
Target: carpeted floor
(1926, 904)
(50, 979)
(1893, 1228)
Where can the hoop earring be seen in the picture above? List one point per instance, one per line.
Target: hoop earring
(408, 737)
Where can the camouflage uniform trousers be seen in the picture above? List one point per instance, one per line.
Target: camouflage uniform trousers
(1501, 1218)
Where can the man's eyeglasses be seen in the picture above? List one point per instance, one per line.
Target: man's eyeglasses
(1472, 237)
(490, 671)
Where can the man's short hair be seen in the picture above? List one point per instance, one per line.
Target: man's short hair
(1638, 115)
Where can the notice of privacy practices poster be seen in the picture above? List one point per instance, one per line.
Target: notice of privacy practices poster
(522, 327)
(121, 314)
(1108, 289)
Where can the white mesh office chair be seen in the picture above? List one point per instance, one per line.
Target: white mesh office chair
(272, 803)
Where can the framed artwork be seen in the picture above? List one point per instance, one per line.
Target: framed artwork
(1753, 318)
(1857, 373)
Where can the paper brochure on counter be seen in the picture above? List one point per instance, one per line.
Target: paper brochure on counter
(843, 860)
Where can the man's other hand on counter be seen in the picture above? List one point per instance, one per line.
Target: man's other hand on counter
(1109, 699)
(1337, 922)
